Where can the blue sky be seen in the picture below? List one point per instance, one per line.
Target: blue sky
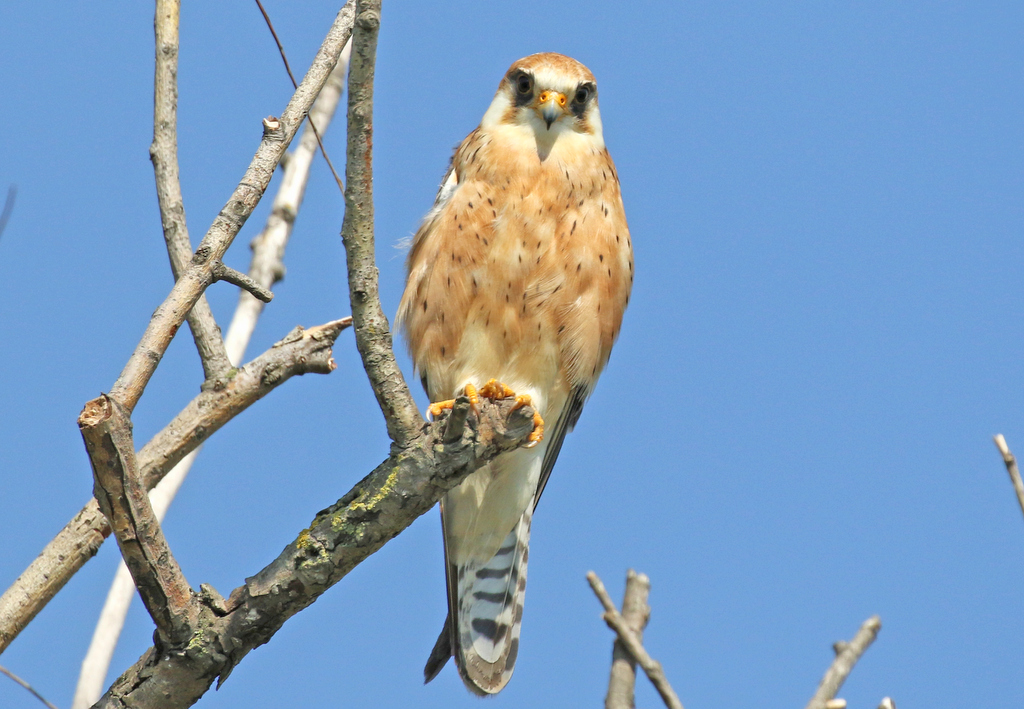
(794, 432)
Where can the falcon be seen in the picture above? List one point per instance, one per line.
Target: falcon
(517, 282)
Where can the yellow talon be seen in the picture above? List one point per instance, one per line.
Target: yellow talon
(496, 391)
(538, 423)
(435, 409)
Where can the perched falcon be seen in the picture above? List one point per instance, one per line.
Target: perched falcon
(517, 282)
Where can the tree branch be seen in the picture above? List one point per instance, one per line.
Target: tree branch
(1011, 468)
(226, 273)
(847, 655)
(635, 613)
(373, 335)
(311, 119)
(302, 351)
(164, 154)
(26, 685)
(631, 643)
(5, 215)
(378, 508)
(267, 265)
(277, 134)
(107, 432)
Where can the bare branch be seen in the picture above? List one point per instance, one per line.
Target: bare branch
(636, 613)
(267, 265)
(1011, 468)
(226, 273)
(291, 76)
(198, 276)
(93, 675)
(651, 667)
(5, 215)
(26, 685)
(847, 655)
(302, 351)
(373, 335)
(164, 154)
(405, 486)
(107, 432)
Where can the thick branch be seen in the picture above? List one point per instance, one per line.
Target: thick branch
(651, 667)
(636, 613)
(378, 508)
(107, 432)
(1011, 467)
(300, 352)
(198, 276)
(847, 655)
(373, 335)
(164, 154)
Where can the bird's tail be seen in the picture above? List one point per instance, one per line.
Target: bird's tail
(486, 602)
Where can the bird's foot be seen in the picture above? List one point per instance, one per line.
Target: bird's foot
(497, 391)
(435, 409)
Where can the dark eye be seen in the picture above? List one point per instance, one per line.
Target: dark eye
(524, 84)
(582, 94)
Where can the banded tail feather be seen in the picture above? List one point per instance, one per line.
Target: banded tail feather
(487, 602)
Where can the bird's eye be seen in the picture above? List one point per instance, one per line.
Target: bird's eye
(582, 94)
(524, 84)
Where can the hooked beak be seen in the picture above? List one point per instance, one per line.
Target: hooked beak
(551, 105)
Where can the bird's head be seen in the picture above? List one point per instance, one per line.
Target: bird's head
(548, 93)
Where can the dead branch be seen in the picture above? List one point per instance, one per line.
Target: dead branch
(373, 335)
(302, 351)
(632, 644)
(636, 613)
(847, 655)
(1011, 468)
(107, 432)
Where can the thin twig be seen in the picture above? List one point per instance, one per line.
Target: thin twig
(5, 215)
(26, 685)
(847, 654)
(1011, 468)
(226, 273)
(651, 667)
(373, 335)
(107, 432)
(312, 124)
(636, 612)
(302, 351)
(164, 154)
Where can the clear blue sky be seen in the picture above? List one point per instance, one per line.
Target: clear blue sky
(795, 429)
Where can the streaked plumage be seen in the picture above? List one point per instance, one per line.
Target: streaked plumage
(521, 272)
